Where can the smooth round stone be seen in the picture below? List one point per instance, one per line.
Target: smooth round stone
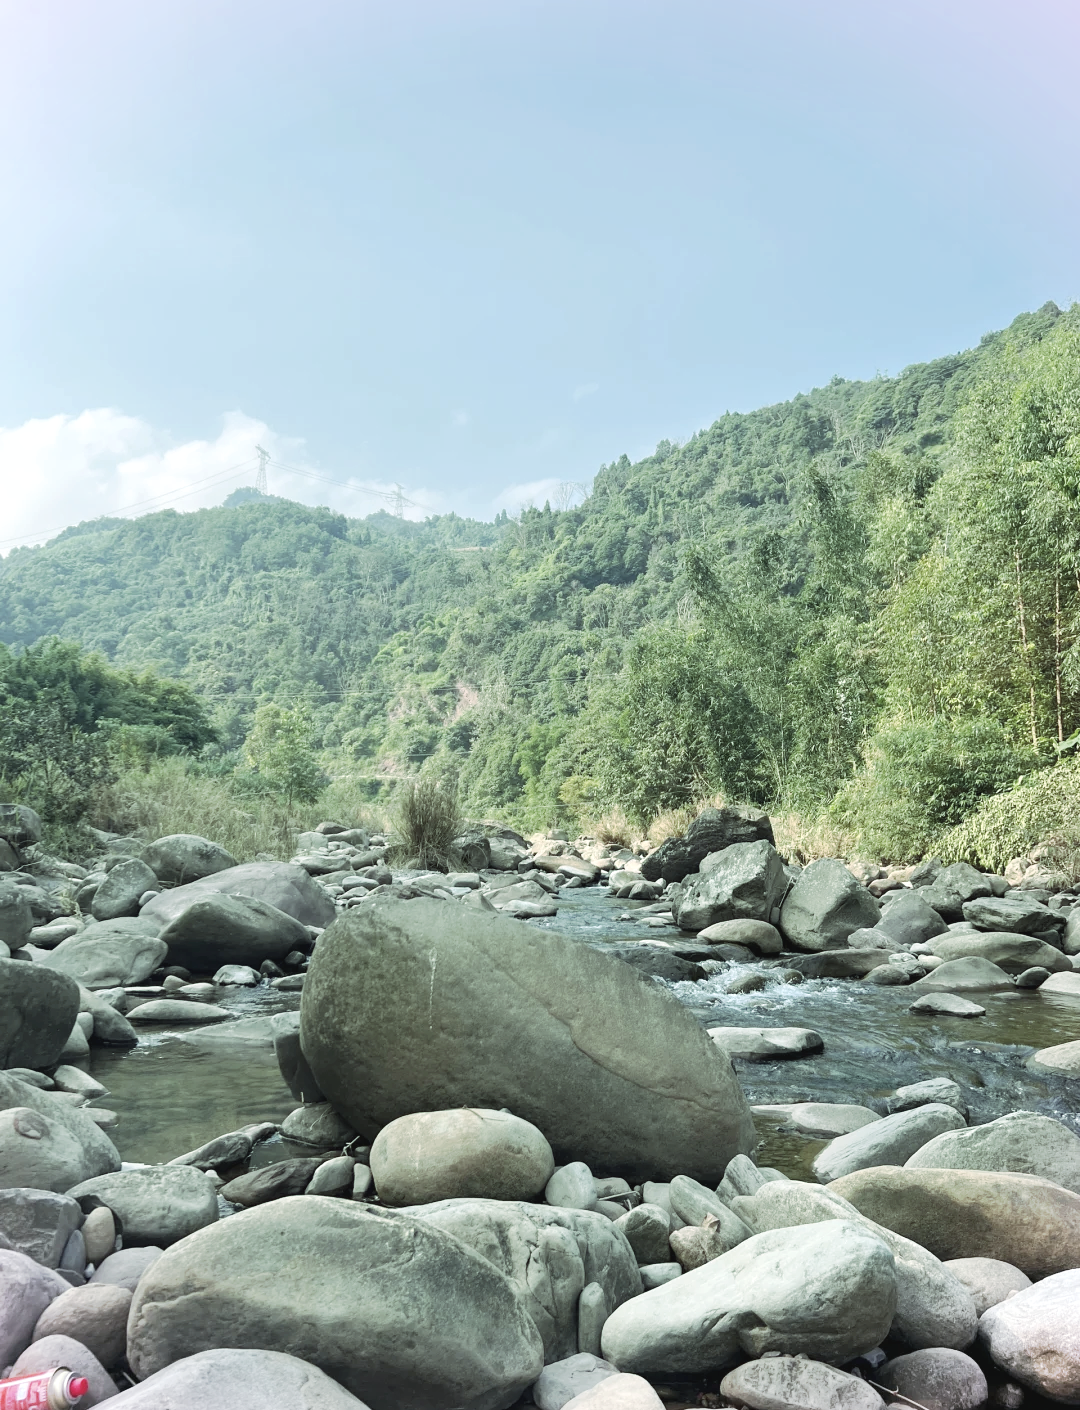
(949, 1005)
(757, 935)
(572, 1187)
(241, 974)
(938, 1378)
(95, 1315)
(1035, 1336)
(988, 1280)
(1062, 1057)
(1032, 978)
(764, 1043)
(177, 1011)
(934, 1089)
(560, 1381)
(821, 1118)
(655, 1275)
(796, 1383)
(156, 1204)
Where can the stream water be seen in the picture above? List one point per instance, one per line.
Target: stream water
(183, 1085)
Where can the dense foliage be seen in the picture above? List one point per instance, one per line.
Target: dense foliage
(870, 593)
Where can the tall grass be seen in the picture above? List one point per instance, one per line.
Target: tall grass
(170, 797)
(426, 819)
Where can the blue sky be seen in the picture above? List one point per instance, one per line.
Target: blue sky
(481, 248)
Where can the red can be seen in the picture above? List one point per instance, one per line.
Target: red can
(44, 1390)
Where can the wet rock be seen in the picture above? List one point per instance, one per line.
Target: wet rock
(126, 1267)
(422, 1006)
(838, 964)
(217, 930)
(95, 1315)
(38, 1223)
(236, 974)
(821, 1118)
(1062, 1057)
(889, 975)
(660, 962)
(828, 1290)
(766, 1043)
(367, 1280)
(988, 1280)
(1012, 953)
(110, 1026)
(177, 1011)
(937, 1378)
(238, 1380)
(110, 954)
(963, 976)
(318, 1125)
(156, 1204)
(953, 887)
(1062, 985)
(889, 1141)
(824, 906)
(757, 935)
(1014, 912)
(711, 831)
(272, 1182)
(949, 1005)
(182, 857)
(1022, 1142)
(796, 1383)
(26, 1289)
(118, 895)
(554, 1256)
(286, 887)
(1035, 1336)
(1031, 1223)
(562, 1380)
(467, 1153)
(745, 881)
(37, 1012)
(934, 1089)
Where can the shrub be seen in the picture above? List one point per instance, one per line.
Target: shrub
(426, 820)
(1042, 808)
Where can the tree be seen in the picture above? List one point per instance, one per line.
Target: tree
(280, 748)
(49, 763)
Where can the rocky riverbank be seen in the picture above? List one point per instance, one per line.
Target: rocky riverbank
(523, 1167)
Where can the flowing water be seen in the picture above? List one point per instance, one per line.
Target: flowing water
(183, 1085)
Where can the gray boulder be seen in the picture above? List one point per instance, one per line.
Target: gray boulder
(1022, 1142)
(292, 1063)
(933, 1306)
(38, 1152)
(95, 1315)
(118, 895)
(908, 918)
(125, 1268)
(182, 857)
(98, 1152)
(756, 935)
(988, 1280)
(237, 1379)
(746, 881)
(937, 1378)
(824, 906)
(156, 1204)
(890, 1141)
(52, 1351)
(551, 1255)
(38, 1222)
(795, 1383)
(1015, 912)
(1035, 1337)
(20, 826)
(934, 1089)
(466, 1153)
(826, 1290)
(953, 887)
(319, 1125)
(971, 975)
(110, 954)
(110, 1026)
(950, 1005)
(416, 1005)
(177, 1011)
(37, 1012)
(218, 930)
(26, 1289)
(286, 887)
(711, 831)
(369, 1283)
(646, 1227)
(1012, 953)
(16, 917)
(562, 1380)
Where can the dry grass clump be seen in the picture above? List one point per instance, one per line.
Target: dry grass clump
(169, 797)
(426, 819)
(801, 839)
(613, 828)
(673, 822)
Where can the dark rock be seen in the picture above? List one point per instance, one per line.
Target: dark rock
(953, 887)
(225, 929)
(711, 831)
(37, 1013)
(651, 959)
(279, 884)
(824, 906)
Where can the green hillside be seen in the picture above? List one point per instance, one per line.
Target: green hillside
(713, 616)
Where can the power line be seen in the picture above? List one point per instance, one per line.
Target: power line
(396, 496)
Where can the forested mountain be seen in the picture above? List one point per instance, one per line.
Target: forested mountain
(742, 611)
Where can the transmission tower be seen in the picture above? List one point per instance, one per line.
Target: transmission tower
(260, 478)
(399, 501)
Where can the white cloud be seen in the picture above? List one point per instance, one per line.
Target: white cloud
(60, 470)
(560, 494)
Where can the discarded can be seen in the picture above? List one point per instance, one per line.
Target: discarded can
(44, 1390)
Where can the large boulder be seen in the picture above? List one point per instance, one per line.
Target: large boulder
(109, 954)
(937, 1379)
(889, 1141)
(827, 1290)
(825, 906)
(95, 1315)
(234, 1379)
(400, 1313)
(419, 1006)
(20, 826)
(746, 881)
(1012, 953)
(934, 1307)
(550, 1254)
(99, 1153)
(1014, 913)
(988, 1280)
(118, 895)
(953, 887)
(907, 918)
(38, 1152)
(796, 1383)
(468, 1152)
(1035, 1336)
(217, 930)
(1021, 1142)
(156, 1204)
(971, 975)
(711, 831)
(38, 1222)
(1031, 1223)
(37, 1012)
(26, 1289)
(16, 917)
(181, 857)
(280, 884)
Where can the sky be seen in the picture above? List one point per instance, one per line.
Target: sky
(478, 248)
